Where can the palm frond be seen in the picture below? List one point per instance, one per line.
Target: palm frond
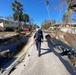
(47, 2)
(13, 9)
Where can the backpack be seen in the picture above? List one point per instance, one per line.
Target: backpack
(38, 36)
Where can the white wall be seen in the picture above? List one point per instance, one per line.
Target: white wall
(1, 24)
(68, 29)
(9, 24)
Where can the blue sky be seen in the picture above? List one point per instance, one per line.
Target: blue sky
(36, 9)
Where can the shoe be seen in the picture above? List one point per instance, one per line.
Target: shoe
(37, 48)
(39, 53)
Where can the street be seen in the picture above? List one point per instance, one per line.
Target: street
(49, 63)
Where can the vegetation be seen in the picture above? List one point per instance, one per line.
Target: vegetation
(69, 10)
(35, 26)
(46, 24)
(18, 15)
(71, 7)
(17, 7)
(25, 18)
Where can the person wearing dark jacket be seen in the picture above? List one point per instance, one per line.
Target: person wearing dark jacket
(38, 38)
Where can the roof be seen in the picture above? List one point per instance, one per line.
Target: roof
(7, 19)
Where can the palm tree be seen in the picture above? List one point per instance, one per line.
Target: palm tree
(25, 18)
(17, 8)
(66, 16)
(47, 6)
(73, 7)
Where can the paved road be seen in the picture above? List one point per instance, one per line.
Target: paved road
(50, 62)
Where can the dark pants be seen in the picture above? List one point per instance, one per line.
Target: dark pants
(38, 45)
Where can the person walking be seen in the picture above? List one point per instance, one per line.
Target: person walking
(38, 38)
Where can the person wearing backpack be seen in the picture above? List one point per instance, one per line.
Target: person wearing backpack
(38, 38)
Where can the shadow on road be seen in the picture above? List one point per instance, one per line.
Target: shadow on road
(65, 63)
(47, 51)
